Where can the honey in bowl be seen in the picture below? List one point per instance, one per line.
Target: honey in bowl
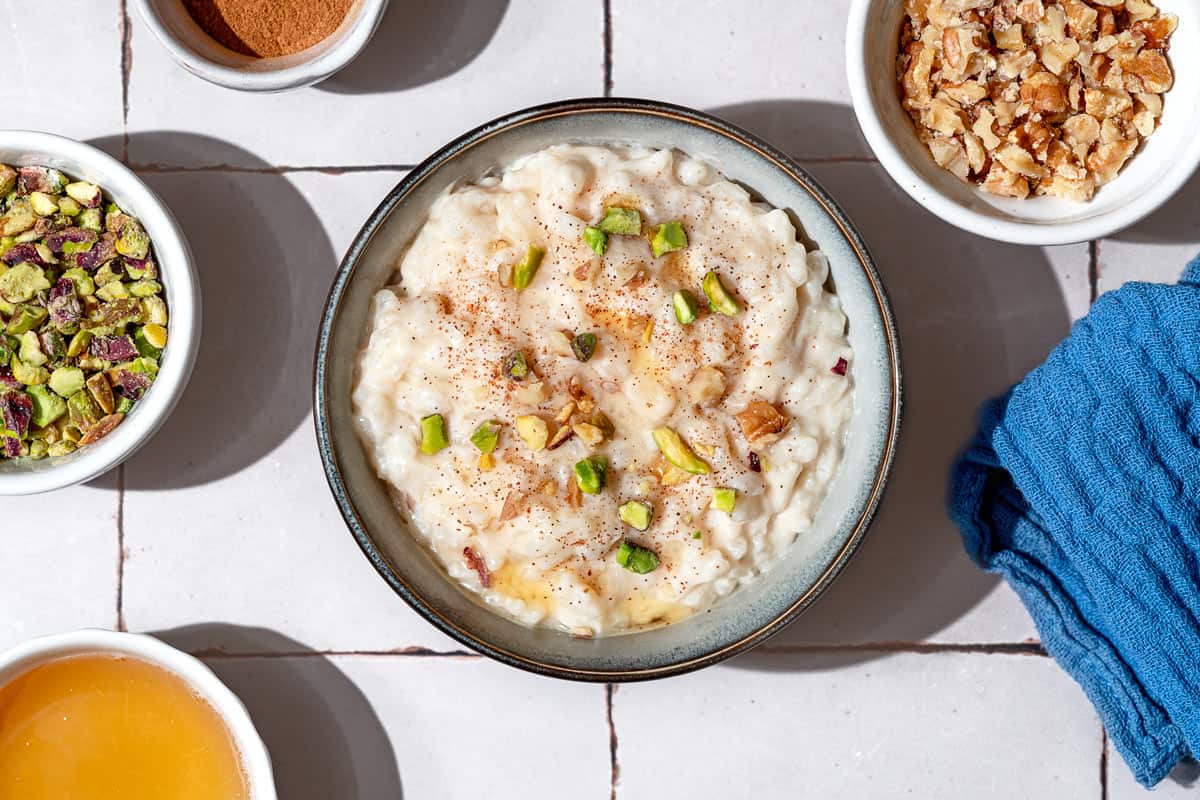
(101, 727)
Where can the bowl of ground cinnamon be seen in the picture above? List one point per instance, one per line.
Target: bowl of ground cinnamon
(263, 45)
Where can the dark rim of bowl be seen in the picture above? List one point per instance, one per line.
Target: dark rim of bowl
(427, 169)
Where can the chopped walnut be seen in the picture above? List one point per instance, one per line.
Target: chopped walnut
(1034, 97)
(761, 422)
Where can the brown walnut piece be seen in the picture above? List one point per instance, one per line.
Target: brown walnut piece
(761, 422)
(1026, 98)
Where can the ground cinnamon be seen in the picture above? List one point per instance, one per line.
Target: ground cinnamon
(268, 28)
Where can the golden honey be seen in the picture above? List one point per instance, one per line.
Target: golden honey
(101, 727)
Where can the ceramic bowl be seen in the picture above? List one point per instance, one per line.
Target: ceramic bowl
(203, 56)
(35, 652)
(1163, 165)
(84, 162)
(752, 613)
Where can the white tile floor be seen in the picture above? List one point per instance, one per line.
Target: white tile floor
(912, 677)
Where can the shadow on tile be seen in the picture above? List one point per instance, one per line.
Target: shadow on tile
(265, 266)
(324, 738)
(974, 316)
(419, 43)
(1178, 221)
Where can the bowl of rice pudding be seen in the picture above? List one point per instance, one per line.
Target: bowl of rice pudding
(608, 390)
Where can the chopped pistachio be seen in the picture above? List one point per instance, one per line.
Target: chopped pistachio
(145, 288)
(676, 451)
(591, 474)
(697, 534)
(648, 332)
(28, 374)
(83, 410)
(31, 349)
(515, 366)
(68, 206)
(38, 449)
(686, 306)
(724, 499)
(43, 204)
(47, 406)
(527, 267)
(433, 434)
(487, 462)
(668, 238)
(66, 381)
(154, 309)
(636, 513)
(560, 437)
(61, 448)
(83, 283)
(26, 318)
(22, 282)
(133, 241)
(84, 193)
(595, 239)
(584, 346)
(636, 558)
(487, 436)
(621, 221)
(91, 219)
(124, 406)
(533, 431)
(79, 344)
(101, 391)
(720, 299)
(589, 434)
(113, 290)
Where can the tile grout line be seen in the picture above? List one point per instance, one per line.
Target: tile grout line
(121, 548)
(608, 48)
(614, 766)
(1094, 269)
(126, 67)
(1103, 762)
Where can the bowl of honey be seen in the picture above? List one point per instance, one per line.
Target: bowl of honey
(97, 714)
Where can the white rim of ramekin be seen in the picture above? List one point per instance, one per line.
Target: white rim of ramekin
(181, 284)
(305, 74)
(256, 761)
(919, 189)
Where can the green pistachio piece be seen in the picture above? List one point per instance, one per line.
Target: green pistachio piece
(26, 318)
(595, 239)
(6, 244)
(133, 241)
(84, 193)
(105, 275)
(8, 178)
(47, 406)
(38, 450)
(22, 282)
(621, 221)
(60, 448)
(7, 351)
(487, 436)
(70, 207)
(686, 306)
(84, 285)
(82, 410)
(28, 374)
(636, 558)
(70, 248)
(79, 344)
(31, 349)
(155, 336)
(592, 474)
(18, 218)
(720, 299)
(124, 406)
(66, 381)
(154, 310)
(524, 271)
(43, 204)
(92, 219)
(433, 434)
(675, 450)
(636, 514)
(668, 238)
(142, 342)
(724, 499)
(145, 288)
(113, 290)
(515, 366)
(584, 346)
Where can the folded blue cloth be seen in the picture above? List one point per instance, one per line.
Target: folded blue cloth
(1082, 489)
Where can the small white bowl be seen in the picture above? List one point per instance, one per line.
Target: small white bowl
(1152, 176)
(200, 54)
(84, 162)
(255, 760)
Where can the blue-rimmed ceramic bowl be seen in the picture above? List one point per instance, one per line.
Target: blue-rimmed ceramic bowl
(752, 613)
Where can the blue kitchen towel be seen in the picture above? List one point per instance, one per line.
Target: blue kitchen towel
(1082, 489)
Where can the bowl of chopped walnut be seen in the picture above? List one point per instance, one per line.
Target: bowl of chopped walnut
(1030, 121)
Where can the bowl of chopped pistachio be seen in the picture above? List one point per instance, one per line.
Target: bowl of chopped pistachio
(608, 389)
(99, 312)
(1030, 121)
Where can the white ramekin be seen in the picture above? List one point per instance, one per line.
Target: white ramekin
(1160, 168)
(84, 162)
(255, 760)
(200, 54)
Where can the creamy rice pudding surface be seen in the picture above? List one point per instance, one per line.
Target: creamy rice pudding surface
(496, 392)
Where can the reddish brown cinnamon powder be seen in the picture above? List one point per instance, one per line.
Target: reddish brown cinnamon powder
(268, 28)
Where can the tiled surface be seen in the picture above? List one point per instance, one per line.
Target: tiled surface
(900, 682)
(821, 727)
